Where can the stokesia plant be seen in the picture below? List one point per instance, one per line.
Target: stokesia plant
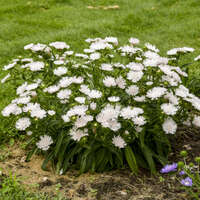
(102, 108)
(188, 175)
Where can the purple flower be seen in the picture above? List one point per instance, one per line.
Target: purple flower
(187, 182)
(181, 173)
(169, 168)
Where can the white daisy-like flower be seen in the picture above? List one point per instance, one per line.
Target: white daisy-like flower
(99, 45)
(59, 62)
(22, 100)
(169, 126)
(139, 98)
(59, 45)
(6, 67)
(94, 94)
(23, 123)
(113, 99)
(149, 83)
(81, 55)
(26, 60)
(29, 133)
(182, 91)
(52, 89)
(80, 100)
(138, 129)
(119, 142)
(135, 76)
(172, 98)
(3, 80)
(121, 83)
(93, 106)
(113, 40)
(82, 121)
(51, 112)
(11, 109)
(68, 53)
(44, 142)
(132, 90)
(135, 66)
(129, 113)
(156, 92)
(151, 47)
(60, 71)
(95, 56)
(35, 66)
(169, 108)
(77, 134)
(109, 81)
(134, 41)
(139, 121)
(106, 67)
(196, 121)
(64, 94)
(89, 50)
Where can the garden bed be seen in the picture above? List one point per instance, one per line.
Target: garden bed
(120, 184)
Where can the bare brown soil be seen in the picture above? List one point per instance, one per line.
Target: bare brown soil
(114, 185)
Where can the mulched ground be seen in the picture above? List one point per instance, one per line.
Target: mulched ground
(114, 185)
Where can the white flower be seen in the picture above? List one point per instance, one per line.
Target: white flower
(135, 76)
(11, 109)
(113, 40)
(135, 66)
(80, 100)
(35, 66)
(94, 94)
(81, 55)
(134, 41)
(88, 50)
(151, 47)
(99, 45)
(59, 62)
(197, 58)
(22, 100)
(82, 121)
(45, 142)
(64, 94)
(6, 67)
(78, 134)
(108, 117)
(3, 80)
(23, 123)
(128, 112)
(59, 45)
(93, 106)
(156, 92)
(68, 53)
(60, 71)
(29, 132)
(139, 98)
(172, 98)
(169, 109)
(138, 129)
(113, 99)
(179, 50)
(109, 81)
(95, 56)
(182, 91)
(118, 141)
(51, 112)
(121, 83)
(149, 83)
(106, 67)
(169, 126)
(196, 121)
(132, 90)
(139, 120)
(52, 89)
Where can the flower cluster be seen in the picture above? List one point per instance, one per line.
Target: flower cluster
(108, 92)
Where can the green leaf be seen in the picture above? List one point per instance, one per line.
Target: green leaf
(31, 153)
(131, 160)
(47, 159)
(58, 143)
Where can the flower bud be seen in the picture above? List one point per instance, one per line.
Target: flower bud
(180, 164)
(197, 159)
(191, 164)
(183, 153)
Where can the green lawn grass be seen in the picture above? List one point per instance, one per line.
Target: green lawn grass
(166, 23)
